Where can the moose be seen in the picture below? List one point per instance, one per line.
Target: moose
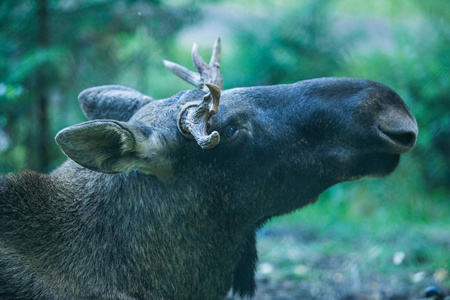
(161, 199)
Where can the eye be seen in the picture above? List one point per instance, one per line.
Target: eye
(230, 132)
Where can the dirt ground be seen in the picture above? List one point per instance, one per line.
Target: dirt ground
(334, 288)
(290, 290)
(290, 270)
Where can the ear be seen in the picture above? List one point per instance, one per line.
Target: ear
(111, 102)
(104, 146)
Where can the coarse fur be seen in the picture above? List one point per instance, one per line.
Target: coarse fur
(139, 211)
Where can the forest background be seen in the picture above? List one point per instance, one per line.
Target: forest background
(397, 228)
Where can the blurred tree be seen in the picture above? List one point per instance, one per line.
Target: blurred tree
(292, 43)
(50, 48)
(429, 86)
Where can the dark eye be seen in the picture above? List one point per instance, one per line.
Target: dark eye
(230, 132)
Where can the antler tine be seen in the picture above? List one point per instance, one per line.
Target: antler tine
(184, 73)
(199, 63)
(213, 99)
(215, 57)
(208, 73)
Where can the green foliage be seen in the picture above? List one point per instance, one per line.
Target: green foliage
(52, 50)
(291, 44)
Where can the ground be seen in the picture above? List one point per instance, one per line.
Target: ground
(292, 266)
(336, 250)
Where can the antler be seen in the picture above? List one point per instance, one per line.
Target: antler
(193, 118)
(207, 73)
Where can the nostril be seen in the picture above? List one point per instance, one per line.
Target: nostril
(401, 140)
(406, 139)
(398, 128)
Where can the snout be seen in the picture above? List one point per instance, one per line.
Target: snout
(398, 130)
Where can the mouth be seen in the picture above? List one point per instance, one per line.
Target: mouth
(375, 165)
(380, 164)
(357, 164)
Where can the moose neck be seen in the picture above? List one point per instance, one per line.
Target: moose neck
(230, 209)
(126, 215)
(140, 198)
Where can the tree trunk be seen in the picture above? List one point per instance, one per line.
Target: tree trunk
(42, 154)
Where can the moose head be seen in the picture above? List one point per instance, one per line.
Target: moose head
(289, 141)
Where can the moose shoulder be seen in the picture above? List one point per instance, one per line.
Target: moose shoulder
(162, 199)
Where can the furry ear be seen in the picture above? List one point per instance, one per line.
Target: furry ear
(105, 146)
(111, 102)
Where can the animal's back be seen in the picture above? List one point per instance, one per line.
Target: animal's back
(28, 206)
(26, 219)
(43, 251)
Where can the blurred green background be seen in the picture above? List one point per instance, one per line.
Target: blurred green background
(50, 50)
